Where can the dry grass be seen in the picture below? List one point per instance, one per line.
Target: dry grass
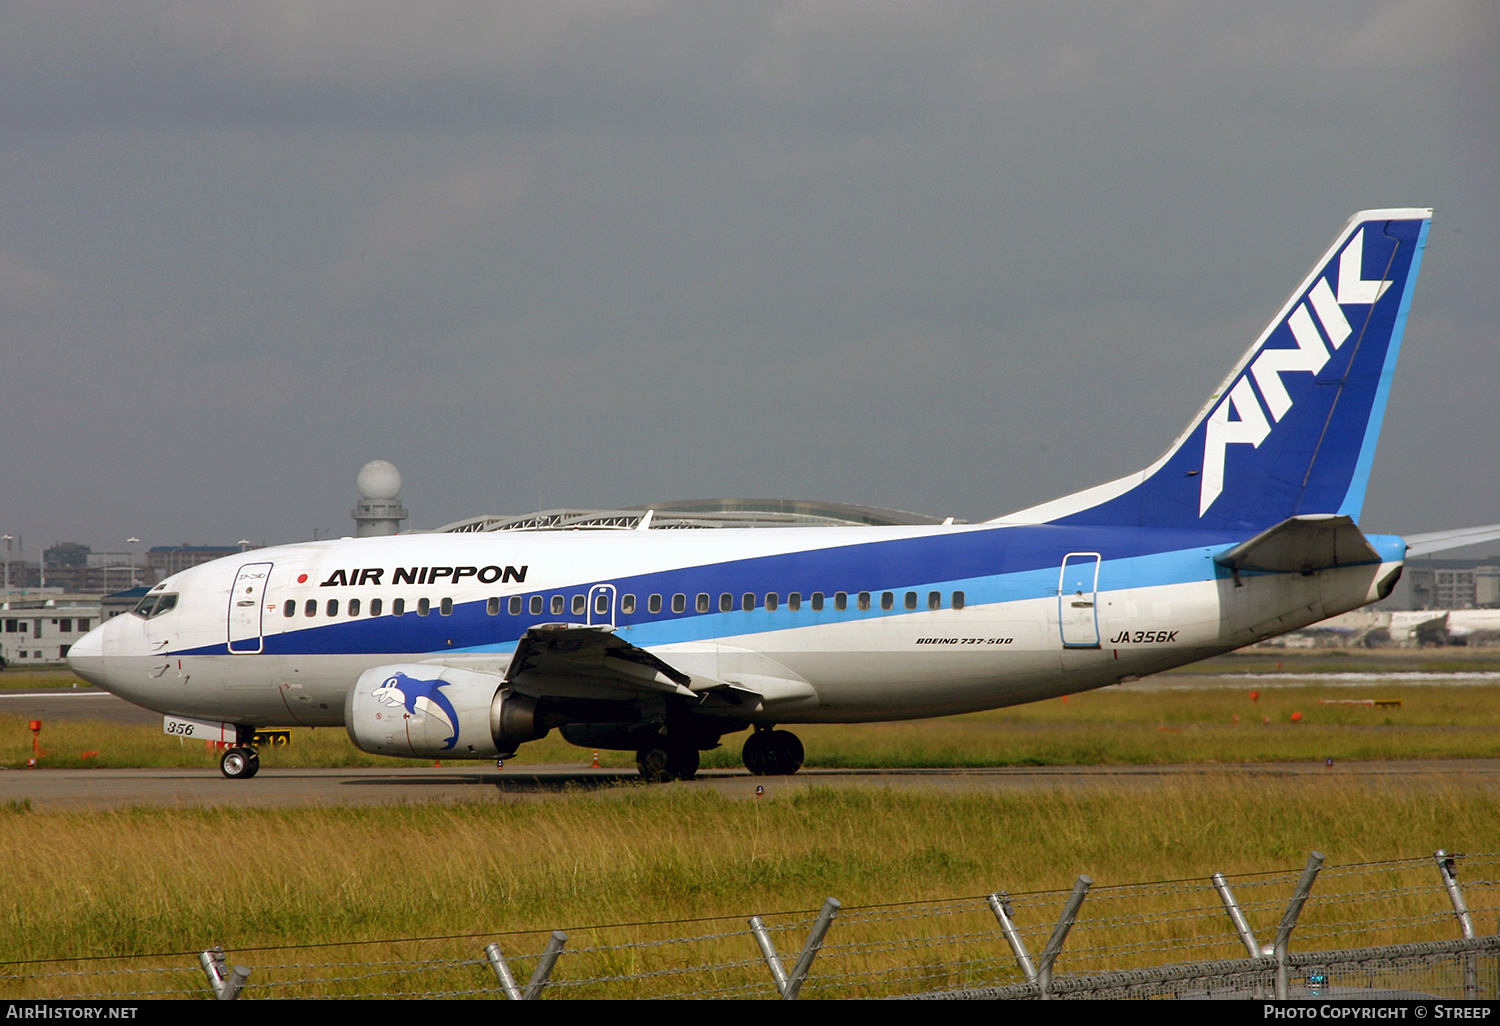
(28, 678)
(156, 880)
(1198, 721)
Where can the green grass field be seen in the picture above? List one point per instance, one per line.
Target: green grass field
(1172, 719)
(179, 880)
(390, 883)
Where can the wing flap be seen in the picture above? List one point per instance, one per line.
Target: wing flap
(589, 658)
(587, 661)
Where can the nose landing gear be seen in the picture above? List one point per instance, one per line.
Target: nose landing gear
(240, 763)
(772, 753)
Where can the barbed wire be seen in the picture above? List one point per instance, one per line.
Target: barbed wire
(935, 940)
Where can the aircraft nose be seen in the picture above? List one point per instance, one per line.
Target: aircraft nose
(86, 656)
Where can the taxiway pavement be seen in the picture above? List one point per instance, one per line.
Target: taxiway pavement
(57, 789)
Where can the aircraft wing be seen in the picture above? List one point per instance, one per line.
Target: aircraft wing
(1302, 544)
(580, 660)
(1442, 541)
(566, 660)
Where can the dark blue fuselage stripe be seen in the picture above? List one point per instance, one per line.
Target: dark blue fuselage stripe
(907, 564)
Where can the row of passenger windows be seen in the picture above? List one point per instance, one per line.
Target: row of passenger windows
(702, 603)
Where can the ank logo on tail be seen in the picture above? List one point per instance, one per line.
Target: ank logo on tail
(1244, 418)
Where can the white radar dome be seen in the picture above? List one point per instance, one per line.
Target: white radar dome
(379, 479)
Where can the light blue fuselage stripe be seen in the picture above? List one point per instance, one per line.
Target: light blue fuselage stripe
(1354, 499)
(470, 620)
(1184, 566)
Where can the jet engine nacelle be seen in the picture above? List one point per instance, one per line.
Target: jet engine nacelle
(422, 711)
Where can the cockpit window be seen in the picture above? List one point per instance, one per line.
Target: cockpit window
(154, 605)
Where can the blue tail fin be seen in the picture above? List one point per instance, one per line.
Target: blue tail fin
(1292, 430)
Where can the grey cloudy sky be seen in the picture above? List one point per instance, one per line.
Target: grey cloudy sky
(949, 257)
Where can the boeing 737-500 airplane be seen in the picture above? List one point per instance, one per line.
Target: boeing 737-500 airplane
(466, 646)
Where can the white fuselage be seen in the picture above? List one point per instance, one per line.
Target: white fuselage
(998, 617)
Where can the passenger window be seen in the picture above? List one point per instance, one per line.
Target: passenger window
(747, 601)
(492, 605)
(841, 600)
(679, 602)
(601, 602)
(558, 604)
(934, 600)
(817, 601)
(311, 609)
(515, 605)
(398, 607)
(580, 603)
(290, 609)
(375, 605)
(653, 604)
(911, 600)
(702, 602)
(794, 601)
(726, 602)
(772, 601)
(446, 608)
(627, 603)
(333, 607)
(958, 600)
(536, 605)
(864, 600)
(354, 607)
(887, 600)
(424, 606)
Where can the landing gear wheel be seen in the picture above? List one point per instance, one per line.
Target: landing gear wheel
(756, 752)
(786, 753)
(682, 763)
(240, 763)
(658, 765)
(772, 753)
(652, 763)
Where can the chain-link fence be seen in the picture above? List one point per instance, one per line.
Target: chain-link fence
(1378, 928)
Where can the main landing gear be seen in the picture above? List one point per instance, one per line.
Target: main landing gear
(662, 762)
(772, 753)
(240, 763)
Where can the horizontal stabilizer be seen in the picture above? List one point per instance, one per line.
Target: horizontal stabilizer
(1302, 544)
(1442, 541)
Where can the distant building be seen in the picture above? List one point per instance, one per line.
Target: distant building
(165, 560)
(92, 580)
(39, 631)
(20, 575)
(64, 554)
(76, 568)
(693, 514)
(1454, 583)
